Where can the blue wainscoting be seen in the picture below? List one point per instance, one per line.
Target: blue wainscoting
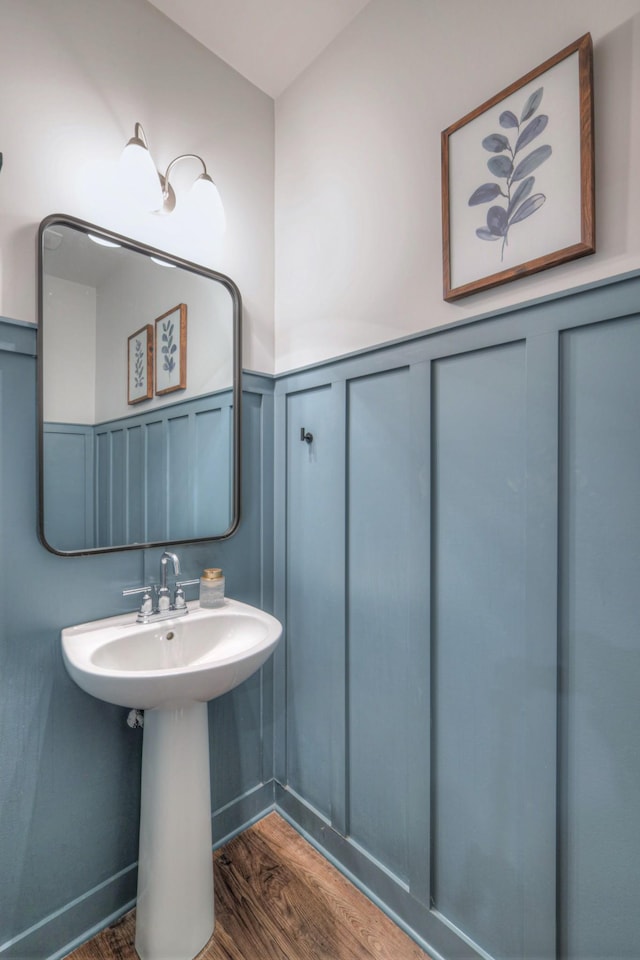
(599, 636)
(142, 478)
(453, 716)
(69, 493)
(457, 566)
(69, 764)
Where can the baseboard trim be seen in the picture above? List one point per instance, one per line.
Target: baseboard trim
(90, 912)
(242, 813)
(388, 893)
(56, 935)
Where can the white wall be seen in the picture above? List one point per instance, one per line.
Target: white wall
(358, 231)
(76, 75)
(86, 333)
(358, 224)
(70, 348)
(125, 302)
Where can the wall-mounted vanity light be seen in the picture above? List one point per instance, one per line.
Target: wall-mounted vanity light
(154, 190)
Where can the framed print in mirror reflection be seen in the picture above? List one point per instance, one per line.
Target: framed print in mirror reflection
(140, 365)
(171, 350)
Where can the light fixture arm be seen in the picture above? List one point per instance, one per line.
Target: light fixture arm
(139, 136)
(167, 201)
(185, 156)
(167, 190)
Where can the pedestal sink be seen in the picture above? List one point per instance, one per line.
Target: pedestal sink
(171, 669)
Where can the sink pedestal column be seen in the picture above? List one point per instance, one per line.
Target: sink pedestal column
(174, 916)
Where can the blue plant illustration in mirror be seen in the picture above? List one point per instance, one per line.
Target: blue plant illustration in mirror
(513, 171)
(139, 371)
(140, 365)
(171, 350)
(169, 347)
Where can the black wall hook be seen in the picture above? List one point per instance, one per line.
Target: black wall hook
(306, 436)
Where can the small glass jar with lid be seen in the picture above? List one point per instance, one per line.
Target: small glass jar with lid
(212, 587)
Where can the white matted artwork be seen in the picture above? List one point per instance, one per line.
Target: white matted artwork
(518, 177)
(140, 365)
(171, 350)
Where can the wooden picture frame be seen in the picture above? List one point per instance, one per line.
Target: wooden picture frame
(140, 365)
(535, 207)
(171, 350)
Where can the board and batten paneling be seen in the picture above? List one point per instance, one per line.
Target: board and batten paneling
(469, 510)
(315, 599)
(385, 584)
(69, 763)
(478, 640)
(154, 472)
(178, 454)
(241, 722)
(68, 497)
(600, 641)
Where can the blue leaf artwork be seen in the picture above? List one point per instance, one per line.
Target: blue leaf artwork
(138, 369)
(508, 165)
(169, 348)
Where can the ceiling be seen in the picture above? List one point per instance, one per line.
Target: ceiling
(270, 42)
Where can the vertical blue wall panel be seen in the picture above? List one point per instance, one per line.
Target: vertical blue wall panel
(478, 774)
(103, 489)
(381, 580)
(135, 485)
(600, 642)
(156, 480)
(213, 443)
(236, 726)
(315, 595)
(180, 479)
(118, 502)
(237, 721)
(68, 460)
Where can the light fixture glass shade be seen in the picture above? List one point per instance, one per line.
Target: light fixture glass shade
(102, 242)
(140, 175)
(204, 195)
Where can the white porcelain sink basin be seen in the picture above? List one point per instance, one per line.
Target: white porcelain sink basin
(192, 658)
(170, 669)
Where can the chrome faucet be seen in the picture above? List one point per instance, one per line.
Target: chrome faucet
(164, 596)
(162, 607)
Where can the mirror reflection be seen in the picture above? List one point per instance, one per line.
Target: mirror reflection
(139, 373)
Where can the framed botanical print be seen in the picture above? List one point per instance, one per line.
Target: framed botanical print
(140, 365)
(518, 177)
(171, 350)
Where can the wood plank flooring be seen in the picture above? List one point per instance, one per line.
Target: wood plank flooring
(277, 898)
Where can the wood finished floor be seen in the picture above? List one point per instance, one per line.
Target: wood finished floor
(277, 898)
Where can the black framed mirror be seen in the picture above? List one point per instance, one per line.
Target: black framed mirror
(139, 382)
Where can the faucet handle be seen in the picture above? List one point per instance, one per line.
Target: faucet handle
(131, 591)
(146, 607)
(179, 600)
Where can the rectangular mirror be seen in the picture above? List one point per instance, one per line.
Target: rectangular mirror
(139, 376)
